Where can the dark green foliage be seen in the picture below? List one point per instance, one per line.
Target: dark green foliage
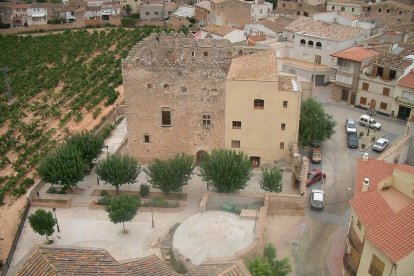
(172, 174)
(128, 22)
(122, 209)
(314, 124)
(268, 265)
(226, 170)
(53, 190)
(118, 170)
(42, 222)
(104, 200)
(55, 20)
(271, 180)
(144, 190)
(89, 144)
(63, 166)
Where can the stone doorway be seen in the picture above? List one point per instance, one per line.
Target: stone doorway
(200, 156)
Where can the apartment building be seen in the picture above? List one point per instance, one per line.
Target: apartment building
(349, 64)
(378, 80)
(352, 7)
(256, 98)
(313, 43)
(403, 106)
(380, 237)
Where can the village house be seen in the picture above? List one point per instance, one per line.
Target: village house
(202, 11)
(403, 105)
(378, 80)
(390, 12)
(19, 15)
(313, 43)
(380, 234)
(349, 64)
(37, 14)
(303, 8)
(133, 5)
(270, 27)
(156, 10)
(222, 32)
(352, 7)
(6, 14)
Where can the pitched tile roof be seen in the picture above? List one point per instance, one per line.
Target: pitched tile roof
(394, 61)
(220, 268)
(395, 236)
(148, 266)
(355, 53)
(204, 5)
(407, 80)
(261, 66)
(276, 24)
(305, 25)
(53, 260)
(387, 215)
(217, 29)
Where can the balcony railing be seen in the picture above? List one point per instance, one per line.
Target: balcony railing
(349, 265)
(355, 242)
(345, 69)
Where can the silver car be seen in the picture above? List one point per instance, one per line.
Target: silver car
(317, 200)
(380, 144)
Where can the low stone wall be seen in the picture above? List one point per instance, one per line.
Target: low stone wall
(178, 209)
(215, 200)
(52, 203)
(32, 194)
(398, 152)
(41, 28)
(289, 205)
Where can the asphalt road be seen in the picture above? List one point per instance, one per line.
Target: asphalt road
(320, 247)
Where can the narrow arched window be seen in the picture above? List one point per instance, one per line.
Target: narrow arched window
(310, 43)
(302, 42)
(318, 45)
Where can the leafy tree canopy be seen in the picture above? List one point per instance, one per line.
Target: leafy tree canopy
(118, 170)
(268, 265)
(314, 124)
(42, 222)
(271, 180)
(172, 174)
(122, 209)
(63, 166)
(89, 144)
(227, 170)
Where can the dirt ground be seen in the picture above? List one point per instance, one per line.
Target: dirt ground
(12, 208)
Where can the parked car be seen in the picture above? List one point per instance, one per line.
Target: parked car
(316, 155)
(380, 144)
(317, 202)
(364, 119)
(350, 125)
(352, 139)
(314, 176)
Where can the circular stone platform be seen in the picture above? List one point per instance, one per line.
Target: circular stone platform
(213, 234)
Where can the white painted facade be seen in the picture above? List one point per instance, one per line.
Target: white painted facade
(233, 36)
(36, 16)
(258, 29)
(260, 11)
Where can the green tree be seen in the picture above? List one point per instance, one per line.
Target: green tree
(63, 166)
(271, 180)
(269, 265)
(314, 124)
(122, 209)
(42, 222)
(226, 170)
(172, 174)
(89, 144)
(128, 9)
(118, 170)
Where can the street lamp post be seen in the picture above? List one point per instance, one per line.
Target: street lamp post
(371, 113)
(57, 224)
(152, 218)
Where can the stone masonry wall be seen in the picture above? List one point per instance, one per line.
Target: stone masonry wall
(181, 75)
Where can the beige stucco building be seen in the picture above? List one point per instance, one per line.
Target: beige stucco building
(261, 109)
(380, 239)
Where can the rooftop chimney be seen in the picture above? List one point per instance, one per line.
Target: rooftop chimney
(365, 184)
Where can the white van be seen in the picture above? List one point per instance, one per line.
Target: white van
(364, 119)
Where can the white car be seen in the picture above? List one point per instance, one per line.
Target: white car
(317, 199)
(366, 120)
(380, 144)
(350, 126)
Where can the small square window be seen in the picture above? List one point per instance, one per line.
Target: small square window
(205, 54)
(365, 86)
(388, 10)
(285, 104)
(183, 90)
(383, 106)
(342, 8)
(166, 86)
(386, 91)
(235, 143)
(166, 118)
(236, 124)
(258, 104)
(363, 101)
(147, 13)
(206, 120)
(353, 9)
(282, 145)
(193, 54)
(155, 13)
(400, 12)
(379, 10)
(149, 85)
(146, 138)
(282, 126)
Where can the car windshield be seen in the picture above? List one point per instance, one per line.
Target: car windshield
(317, 203)
(351, 125)
(378, 144)
(373, 121)
(352, 137)
(310, 175)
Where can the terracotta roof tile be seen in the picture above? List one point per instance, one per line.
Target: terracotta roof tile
(355, 53)
(217, 29)
(387, 215)
(148, 266)
(305, 25)
(395, 236)
(391, 60)
(276, 24)
(407, 80)
(259, 66)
